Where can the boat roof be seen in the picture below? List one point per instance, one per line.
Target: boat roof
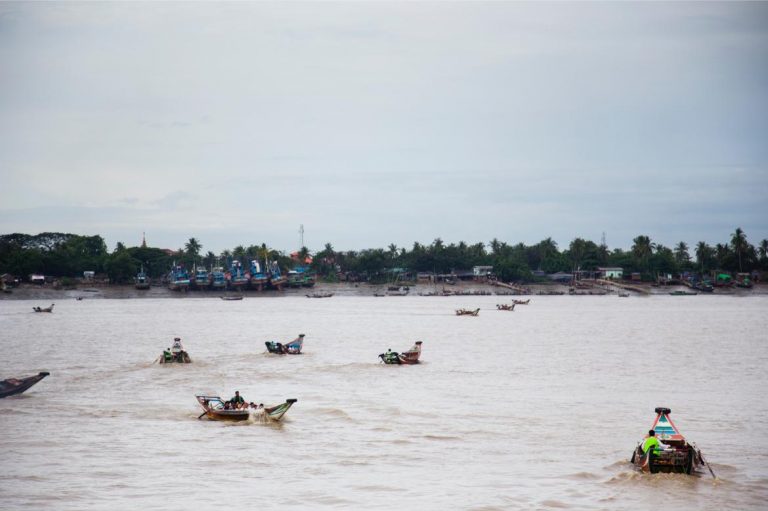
(664, 427)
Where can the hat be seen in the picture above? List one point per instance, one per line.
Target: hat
(301, 335)
(177, 338)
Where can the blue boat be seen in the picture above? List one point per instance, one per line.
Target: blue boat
(201, 280)
(142, 279)
(237, 278)
(218, 279)
(276, 279)
(301, 276)
(178, 279)
(259, 279)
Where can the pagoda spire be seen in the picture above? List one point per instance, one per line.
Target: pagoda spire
(143, 240)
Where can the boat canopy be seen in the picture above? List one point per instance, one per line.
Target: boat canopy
(664, 427)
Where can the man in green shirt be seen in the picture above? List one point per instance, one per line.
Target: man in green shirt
(651, 442)
(237, 401)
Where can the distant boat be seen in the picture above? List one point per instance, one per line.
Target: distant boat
(505, 306)
(301, 276)
(46, 309)
(178, 279)
(218, 279)
(623, 294)
(407, 357)
(291, 348)
(467, 312)
(237, 278)
(232, 298)
(276, 279)
(215, 409)
(13, 386)
(141, 280)
(201, 280)
(259, 279)
(320, 295)
(683, 293)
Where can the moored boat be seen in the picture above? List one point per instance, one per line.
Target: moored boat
(258, 279)
(672, 455)
(13, 386)
(216, 408)
(44, 309)
(320, 295)
(276, 279)
(218, 279)
(201, 279)
(683, 293)
(141, 280)
(467, 312)
(232, 298)
(407, 357)
(292, 348)
(178, 279)
(237, 278)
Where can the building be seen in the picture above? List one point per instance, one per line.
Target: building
(611, 272)
(482, 272)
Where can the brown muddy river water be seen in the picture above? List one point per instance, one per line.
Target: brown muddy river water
(533, 409)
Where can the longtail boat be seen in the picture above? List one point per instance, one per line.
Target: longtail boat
(215, 409)
(467, 312)
(175, 355)
(230, 298)
(292, 348)
(13, 386)
(522, 302)
(675, 454)
(45, 309)
(505, 306)
(407, 357)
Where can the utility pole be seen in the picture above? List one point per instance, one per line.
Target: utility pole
(301, 234)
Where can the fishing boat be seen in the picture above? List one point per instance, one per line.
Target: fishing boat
(407, 357)
(201, 280)
(13, 386)
(215, 409)
(175, 355)
(521, 302)
(276, 279)
(44, 309)
(258, 280)
(467, 312)
(292, 348)
(301, 276)
(505, 306)
(178, 279)
(231, 298)
(237, 278)
(675, 454)
(218, 279)
(623, 294)
(141, 280)
(320, 295)
(683, 293)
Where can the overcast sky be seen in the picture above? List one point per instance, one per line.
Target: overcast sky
(379, 123)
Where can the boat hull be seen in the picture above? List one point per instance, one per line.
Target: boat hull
(13, 386)
(268, 413)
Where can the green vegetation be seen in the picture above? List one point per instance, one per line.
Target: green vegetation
(68, 255)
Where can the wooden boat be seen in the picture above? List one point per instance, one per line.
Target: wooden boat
(13, 386)
(231, 298)
(683, 293)
(522, 302)
(320, 295)
(623, 294)
(676, 454)
(407, 357)
(169, 357)
(505, 306)
(46, 309)
(214, 409)
(467, 312)
(292, 348)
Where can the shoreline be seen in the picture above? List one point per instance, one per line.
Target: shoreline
(466, 289)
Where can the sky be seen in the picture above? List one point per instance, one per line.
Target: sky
(372, 123)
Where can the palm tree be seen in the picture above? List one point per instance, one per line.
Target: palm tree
(392, 250)
(739, 243)
(763, 250)
(721, 254)
(703, 254)
(238, 253)
(577, 249)
(681, 253)
(303, 255)
(193, 247)
(642, 249)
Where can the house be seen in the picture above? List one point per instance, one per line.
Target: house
(88, 275)
(425, 276)
(37, 279)
(610, 272)
(561, 276)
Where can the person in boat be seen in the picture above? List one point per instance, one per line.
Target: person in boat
(167, 355)
(177, 347)
(237, 401)
(651, 442)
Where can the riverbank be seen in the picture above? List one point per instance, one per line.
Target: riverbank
(47, 292)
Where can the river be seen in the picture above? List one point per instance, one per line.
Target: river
(533, 409)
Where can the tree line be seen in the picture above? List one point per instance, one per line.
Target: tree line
(68, 255)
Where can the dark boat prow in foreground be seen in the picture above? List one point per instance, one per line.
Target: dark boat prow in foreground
(214, 409)
(676, 455)
(13, 386)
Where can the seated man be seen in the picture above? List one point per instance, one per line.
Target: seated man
(167, 356)
(237, 401)
(651, 442)
(177, 347)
